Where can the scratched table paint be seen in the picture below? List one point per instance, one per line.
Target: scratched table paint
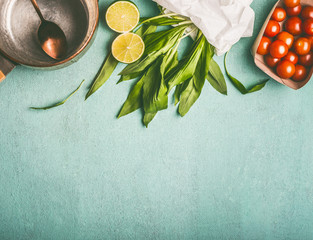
(236, 167)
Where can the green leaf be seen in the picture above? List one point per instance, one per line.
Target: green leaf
(188, 97)
(203, 65)
(192, 91)
(240, 86)
(148, 117)
(128, 77)
(103, 75)
(152, 83)
(155, 83)
(164, 21)
(145, 30)
(60, 103)
(170, 60)
(186, 68)
(155, 47)
(216, 78)
(133, 101)
(158, 40)
(154, 89)
(177, 93)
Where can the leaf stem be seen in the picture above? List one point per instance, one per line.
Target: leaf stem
(189, 33)
(185, 22)
(160, 16)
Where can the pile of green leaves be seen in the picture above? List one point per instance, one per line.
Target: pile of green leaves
(159, 70)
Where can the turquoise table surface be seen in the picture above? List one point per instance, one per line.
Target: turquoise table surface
(235, 167)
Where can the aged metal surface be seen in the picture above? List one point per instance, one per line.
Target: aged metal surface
(6, 66)
(19, 23)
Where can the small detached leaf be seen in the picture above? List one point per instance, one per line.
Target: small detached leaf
(60, 103)
(103, 75)
(240, 86)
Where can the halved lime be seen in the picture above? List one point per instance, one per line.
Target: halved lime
(122, 16)
(128, 47)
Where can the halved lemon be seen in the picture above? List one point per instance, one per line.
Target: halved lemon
(122, 16)
(128, 47)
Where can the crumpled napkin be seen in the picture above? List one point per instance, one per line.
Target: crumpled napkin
(223, 22)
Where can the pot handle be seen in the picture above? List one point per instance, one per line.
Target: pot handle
(6, 66)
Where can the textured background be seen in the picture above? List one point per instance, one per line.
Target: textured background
(236, 167)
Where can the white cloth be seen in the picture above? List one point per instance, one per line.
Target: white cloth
(223, 22)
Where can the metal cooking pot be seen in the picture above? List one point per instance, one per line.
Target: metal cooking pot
(18, 27)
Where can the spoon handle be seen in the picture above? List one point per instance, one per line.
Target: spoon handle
(37, 10)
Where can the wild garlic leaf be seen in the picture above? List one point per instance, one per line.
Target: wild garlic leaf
(145, 30)
(188, 97)
(148, 117)
(60, 103)
(164, 43)
(164, 21)
(186, 67)
(128, 77)
(177, 94)
(216, 78)
(240, 86)
(203, 65)
(158, 40)
(170, 60)
(103, 75)
(134, 100)
(154, 89)
(193, 90)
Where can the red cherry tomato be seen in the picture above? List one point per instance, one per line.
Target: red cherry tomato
(285, 69)
(272, 28)
(263, 48)
(308, 26)
(286, 38)
(278, 49)
(279, 14)
(302, 46)
(293, 25)
(300, 73)
(291, 57)
(294, 11)
(291, 3)
(270, 61)
(306, 60)
(311, 39)
(307, 12)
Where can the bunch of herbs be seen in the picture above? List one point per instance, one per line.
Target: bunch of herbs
(159, 70)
